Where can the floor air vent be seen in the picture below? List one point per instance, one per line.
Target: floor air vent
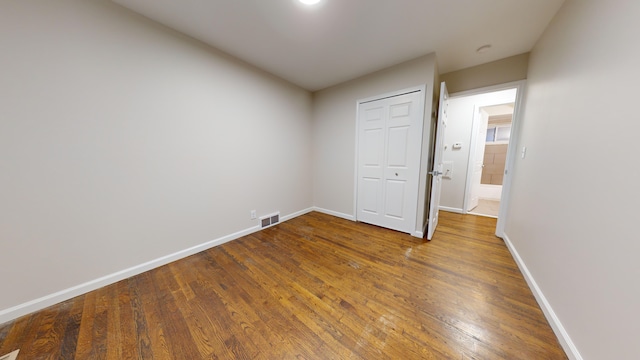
(267, 221)
(11, 356)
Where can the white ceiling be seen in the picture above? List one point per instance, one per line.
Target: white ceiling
(338, 40)
(498, 110)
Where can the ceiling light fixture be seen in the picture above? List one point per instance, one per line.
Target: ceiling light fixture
(309, 2)
(483, 49)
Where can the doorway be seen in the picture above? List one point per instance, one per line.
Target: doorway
(490, 157)
(480, 146)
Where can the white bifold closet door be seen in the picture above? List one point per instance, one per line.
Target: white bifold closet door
(389, 147)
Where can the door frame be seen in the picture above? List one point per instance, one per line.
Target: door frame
(511, 149)
(421, 104)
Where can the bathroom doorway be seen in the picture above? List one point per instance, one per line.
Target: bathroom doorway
(489, 156)
(480, 146)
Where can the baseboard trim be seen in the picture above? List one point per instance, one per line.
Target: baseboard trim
(563, 337)
(28, 307)
(450, 209)
(353, 218)
(420, 234)
(334, 213)
(296, 214)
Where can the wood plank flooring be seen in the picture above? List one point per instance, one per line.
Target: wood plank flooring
(314, 287)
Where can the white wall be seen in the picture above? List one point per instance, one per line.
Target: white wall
(459, 129)
(574, 204)
(334, 121)
(122, 141)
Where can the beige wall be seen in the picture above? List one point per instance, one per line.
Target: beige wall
(123, 142)
(574, 201)
(510, 69)
(334, 121)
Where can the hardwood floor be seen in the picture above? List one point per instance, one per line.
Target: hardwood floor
(315, 287)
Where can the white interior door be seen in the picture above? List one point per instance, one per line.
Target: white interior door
(481, 119)
(389, 144)
(436, 173)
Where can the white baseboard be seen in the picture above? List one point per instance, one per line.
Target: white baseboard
(563, 337)
(296, 214)
(450, 209)
(420, 234)
(335, 213)
(66, 294)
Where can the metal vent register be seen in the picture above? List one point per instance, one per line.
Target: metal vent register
(267, 221)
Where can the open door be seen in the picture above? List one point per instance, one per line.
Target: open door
(436, 173)
(480, 121)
